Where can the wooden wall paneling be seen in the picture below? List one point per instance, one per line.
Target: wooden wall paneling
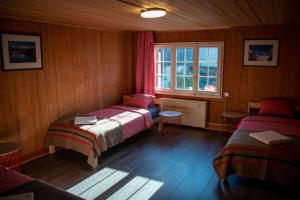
(75, 62)
(109, 70)
(8, 127)
(90, 74)
(248, 83)
(48, 73)
(292, 70)
(26, 103)
(124, 72)
(66, 90)
(99, 70)
(46, 90)
(114, 82)
(232, 73)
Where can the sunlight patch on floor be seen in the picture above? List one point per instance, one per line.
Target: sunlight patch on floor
(104, 185)
(91, 181)
(97, 184)
(147, 191)
(139, 187)
(129, 189)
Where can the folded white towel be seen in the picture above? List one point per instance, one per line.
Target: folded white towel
(270, 137)
(90, 120)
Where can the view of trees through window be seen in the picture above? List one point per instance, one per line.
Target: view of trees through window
(189, 69)
(184, 68)
(163, 68)
(207, 73)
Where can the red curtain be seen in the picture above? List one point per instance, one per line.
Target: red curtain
(145, 64)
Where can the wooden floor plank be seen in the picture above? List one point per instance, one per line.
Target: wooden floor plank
(175, 165)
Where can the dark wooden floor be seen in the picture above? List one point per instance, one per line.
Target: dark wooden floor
(181, 159)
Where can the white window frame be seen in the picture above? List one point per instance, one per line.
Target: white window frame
(194, 91)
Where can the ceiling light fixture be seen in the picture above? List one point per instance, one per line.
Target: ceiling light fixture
(153, 12)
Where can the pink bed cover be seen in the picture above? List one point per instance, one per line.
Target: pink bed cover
(133, 120)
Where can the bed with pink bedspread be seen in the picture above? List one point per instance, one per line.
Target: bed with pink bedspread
(114, 125)
(247, 157)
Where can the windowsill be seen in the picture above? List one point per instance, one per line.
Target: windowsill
(206, 96)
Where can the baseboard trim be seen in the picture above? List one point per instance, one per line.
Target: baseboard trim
(220, 127)
(35, 155)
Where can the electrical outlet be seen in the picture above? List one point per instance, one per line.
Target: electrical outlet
(226, 94)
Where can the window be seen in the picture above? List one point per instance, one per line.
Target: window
(189, 68)
(163, 68)
(184, 68)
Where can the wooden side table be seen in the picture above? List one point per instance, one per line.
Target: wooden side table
(232, 115)
(169, 117)
(10, 155)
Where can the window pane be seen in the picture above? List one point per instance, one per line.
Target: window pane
(180, 68)
(203, 54)
(213, 54)
(180, 54)
(188, 83)
(213, 64)
(179, 82)
(212, 81)
(158, 81)
(166, 80)
(160, 54)
(189, 54)
(167, 68)
(204, 64)
(202, 82)
(189, 69)
(203, 71)
(159, 68)
(203, 68)
(167, 54)
(212, 71)
(212, 85)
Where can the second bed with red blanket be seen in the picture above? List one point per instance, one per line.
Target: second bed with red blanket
(114, 125)
(247, 157)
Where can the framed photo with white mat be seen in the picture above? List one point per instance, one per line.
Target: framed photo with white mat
(261, 53)
(21, 52)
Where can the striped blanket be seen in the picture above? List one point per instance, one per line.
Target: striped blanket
(247, 157)
(114, 124)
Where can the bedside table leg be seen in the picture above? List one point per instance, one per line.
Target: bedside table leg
(160, 126)
(51, 149)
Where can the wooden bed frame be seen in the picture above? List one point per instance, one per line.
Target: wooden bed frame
(255, 105)
(155, 101)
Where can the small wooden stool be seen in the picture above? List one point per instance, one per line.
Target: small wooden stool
(10, 155)
(169, 117)
(232, 116)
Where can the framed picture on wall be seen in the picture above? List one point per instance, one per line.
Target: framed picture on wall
(21, 52)
(261, 53)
